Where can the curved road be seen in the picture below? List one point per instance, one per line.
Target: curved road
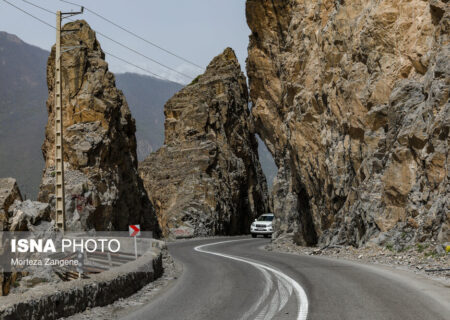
(235, 279)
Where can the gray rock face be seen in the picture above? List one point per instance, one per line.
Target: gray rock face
(351, 99)
(404, 189)
(26, 215)
(103, 188)
(9, 192)
(206, 179)
(18, 215)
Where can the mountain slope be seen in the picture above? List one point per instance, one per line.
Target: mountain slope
(146, 97)
(23, 90)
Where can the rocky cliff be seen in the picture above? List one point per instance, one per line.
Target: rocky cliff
(16, 215)
(351, 98)
(9, 192)
(206, 179)
(103, 188)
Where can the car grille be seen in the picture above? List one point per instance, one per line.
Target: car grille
(261, 226)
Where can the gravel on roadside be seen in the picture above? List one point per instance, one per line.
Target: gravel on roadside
(421, 258)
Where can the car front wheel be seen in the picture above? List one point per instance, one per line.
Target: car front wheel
(254, 235)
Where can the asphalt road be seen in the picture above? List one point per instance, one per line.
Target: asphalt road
(235, 279)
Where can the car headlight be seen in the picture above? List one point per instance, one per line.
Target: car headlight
(253, 224)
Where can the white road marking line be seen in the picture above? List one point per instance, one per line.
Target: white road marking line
(273, 306)
(302, 312)
(264, 296)
(260, 315)
(285, 293)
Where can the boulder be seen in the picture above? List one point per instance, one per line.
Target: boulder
(27, 215)
(9, 192)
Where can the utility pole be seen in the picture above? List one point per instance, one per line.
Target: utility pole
(59, 154)
(59, 163)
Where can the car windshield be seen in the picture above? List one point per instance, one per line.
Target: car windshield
(265, 218)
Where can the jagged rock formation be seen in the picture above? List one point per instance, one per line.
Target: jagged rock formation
(23, 93)
(103, 188)
(27, 215)
(9, 192)
(351, 98)
(207, 179)
(18, 215)
(9, 195)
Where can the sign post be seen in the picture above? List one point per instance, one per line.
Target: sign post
(135, 231)
(80, 258)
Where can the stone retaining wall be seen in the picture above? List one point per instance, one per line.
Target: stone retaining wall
(67, 298)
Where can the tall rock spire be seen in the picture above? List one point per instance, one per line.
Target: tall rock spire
(207, 179)
(103, 188)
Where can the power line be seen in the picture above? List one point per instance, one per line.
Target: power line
(143, 55)
(29, 14)
(112, 55)
(120, 44)
(136, 35)
(35, 5)
(134, 65)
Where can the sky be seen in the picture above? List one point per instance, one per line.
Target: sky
(197, 30)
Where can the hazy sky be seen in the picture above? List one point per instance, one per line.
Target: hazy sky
(195, 29)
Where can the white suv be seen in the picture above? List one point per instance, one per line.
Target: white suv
(262, 225)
